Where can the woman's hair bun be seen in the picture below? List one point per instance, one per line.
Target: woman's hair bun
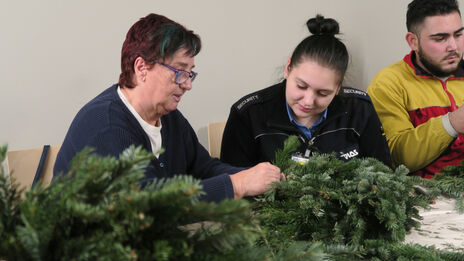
(322, 26)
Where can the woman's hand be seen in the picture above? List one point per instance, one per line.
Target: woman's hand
(255, 180)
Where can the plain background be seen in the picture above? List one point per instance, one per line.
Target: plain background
(57, 55)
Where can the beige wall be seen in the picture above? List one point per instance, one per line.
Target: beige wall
(56, 55)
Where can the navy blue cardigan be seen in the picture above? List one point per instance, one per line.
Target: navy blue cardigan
(107, 125)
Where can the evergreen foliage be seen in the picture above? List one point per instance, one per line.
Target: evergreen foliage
(449, 183)
(98, 211)
(360, 210)
(339, 202)
(377, 250)
(10, 196)
(326, 210)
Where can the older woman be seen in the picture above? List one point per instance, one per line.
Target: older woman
(156, 62)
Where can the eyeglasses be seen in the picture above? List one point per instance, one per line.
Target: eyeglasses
(181, 75)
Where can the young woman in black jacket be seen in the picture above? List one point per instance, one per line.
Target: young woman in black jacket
(310, 103)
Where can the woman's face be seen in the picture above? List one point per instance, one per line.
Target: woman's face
(162, 91)
(310, 89)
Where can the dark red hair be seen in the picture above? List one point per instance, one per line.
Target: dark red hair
(154, 37)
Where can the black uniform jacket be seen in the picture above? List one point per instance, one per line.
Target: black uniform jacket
(258, 125)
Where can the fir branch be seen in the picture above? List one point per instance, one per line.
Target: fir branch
(282, 155)
(449, 183)
(333, 201)
(99, 211)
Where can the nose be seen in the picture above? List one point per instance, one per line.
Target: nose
(452, 44)
(308, 99)
(187, 85)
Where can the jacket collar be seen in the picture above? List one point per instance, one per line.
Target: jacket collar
(280, 118)
(336, 107)
(410, 59)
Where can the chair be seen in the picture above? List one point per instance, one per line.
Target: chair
(23, 165)
(215, 130)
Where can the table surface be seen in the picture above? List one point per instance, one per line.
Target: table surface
(441, 226)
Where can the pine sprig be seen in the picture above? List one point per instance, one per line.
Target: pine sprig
(449, 183)
(326, 210)
(10, 197)
(100, 211)
(339, 202)
(378, 250)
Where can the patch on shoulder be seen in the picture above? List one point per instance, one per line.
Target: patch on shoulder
(352, 92)
(247, 101)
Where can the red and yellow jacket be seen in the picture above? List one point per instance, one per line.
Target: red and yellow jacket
(411, 103)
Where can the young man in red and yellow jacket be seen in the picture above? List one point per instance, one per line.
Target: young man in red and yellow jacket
(419, 99)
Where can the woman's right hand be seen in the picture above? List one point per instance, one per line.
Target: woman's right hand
(255, 180)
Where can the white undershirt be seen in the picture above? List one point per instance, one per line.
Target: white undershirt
(153, 132)
(443, 79)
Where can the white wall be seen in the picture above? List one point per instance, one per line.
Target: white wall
(57, 55)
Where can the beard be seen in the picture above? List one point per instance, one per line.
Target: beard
(434, 68)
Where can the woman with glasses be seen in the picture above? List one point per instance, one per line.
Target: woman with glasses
(156, 62)
(309, 103)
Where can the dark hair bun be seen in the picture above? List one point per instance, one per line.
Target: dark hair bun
(322, 26)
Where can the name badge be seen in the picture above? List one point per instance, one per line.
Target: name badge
(301, 158)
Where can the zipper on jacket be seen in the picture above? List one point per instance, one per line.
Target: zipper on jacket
(450, 96)
(317, 132)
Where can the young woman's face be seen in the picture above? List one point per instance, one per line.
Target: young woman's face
(310, 89)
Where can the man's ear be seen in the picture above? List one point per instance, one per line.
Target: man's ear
(413, 41)
(140, 69)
